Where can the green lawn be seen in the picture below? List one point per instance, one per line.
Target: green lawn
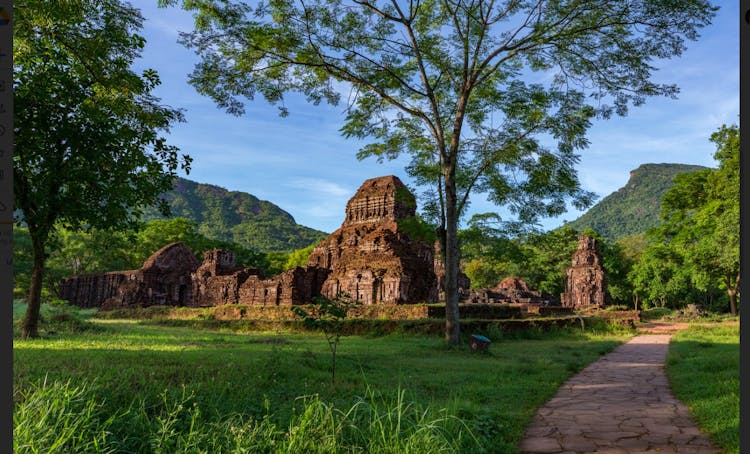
(703, 369)
(152, 388)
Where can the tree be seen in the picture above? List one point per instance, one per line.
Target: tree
(299, 257)
(659, 276)
(88, 149)
(161, 232)
(549, 256)
(702, 215)
(452, 83)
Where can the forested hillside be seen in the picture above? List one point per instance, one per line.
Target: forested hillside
(635, 207)
(238, 217)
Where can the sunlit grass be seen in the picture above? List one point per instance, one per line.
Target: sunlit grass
(703, 369)
(132, 370)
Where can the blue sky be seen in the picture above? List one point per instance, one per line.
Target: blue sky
(302, 164)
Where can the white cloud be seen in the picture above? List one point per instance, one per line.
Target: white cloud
(320, 187)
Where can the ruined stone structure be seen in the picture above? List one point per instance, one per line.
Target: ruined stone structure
(371, 257)
(511, 290)
(585, 287)
(164, 278)
(219, 281)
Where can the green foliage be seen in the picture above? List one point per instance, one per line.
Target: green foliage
(656, 313)
(488, 273)
(417, 229)
(22, 261)
(660, 278)
(160, 232)
(703, 366)
(100, 158)
(617, 265)
(540, 259)
(634, 208)
(696, 248)
(236, 217)
(276, 263)
(88, 143)
(549, 256)
(299, 257)
(488, 254)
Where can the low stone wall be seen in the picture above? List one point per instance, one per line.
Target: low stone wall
(432, 327)
(277, 313)
(554, 311)
(478, 311)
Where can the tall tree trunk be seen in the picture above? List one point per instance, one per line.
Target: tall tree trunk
(732, 292)
(452, 328)
(732, 301)
(30, 327)
(732, 286)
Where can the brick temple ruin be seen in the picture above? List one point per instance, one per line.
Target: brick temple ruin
(585, 288)
(510, 290)
(370, 257)
(164, 279)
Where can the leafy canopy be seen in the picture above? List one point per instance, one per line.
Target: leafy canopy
(88, 143)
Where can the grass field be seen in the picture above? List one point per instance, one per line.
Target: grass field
(146, 388)
(703, 369)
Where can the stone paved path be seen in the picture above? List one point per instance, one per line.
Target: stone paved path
(619, 404)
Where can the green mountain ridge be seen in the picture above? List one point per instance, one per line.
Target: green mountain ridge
(635, 207)
(236, 216)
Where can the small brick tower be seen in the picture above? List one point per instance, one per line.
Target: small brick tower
(585, 288)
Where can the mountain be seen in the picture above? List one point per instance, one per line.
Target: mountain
(635, 207)
(237, 216)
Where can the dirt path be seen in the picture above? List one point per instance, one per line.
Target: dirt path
(621, 403)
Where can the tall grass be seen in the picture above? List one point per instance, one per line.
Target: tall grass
(59, 417)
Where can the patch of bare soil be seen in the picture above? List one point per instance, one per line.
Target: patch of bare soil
(670, 327)
(660, 327)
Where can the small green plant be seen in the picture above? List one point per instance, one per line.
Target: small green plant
(328, 315)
